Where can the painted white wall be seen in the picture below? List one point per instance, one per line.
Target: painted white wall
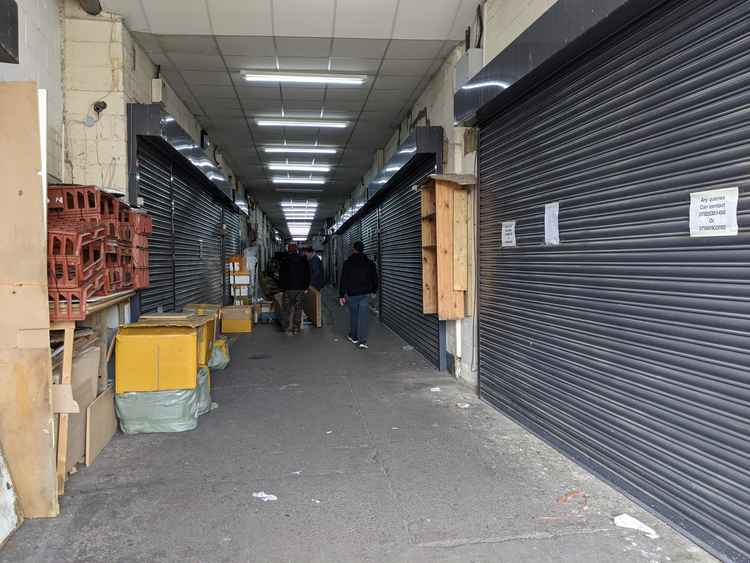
(507, 19)
(39, 45)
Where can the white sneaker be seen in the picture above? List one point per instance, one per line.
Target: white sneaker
(352, 340)
(364, 346)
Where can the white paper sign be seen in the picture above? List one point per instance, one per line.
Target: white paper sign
(509, 234)
(552, 223)
(713, 213)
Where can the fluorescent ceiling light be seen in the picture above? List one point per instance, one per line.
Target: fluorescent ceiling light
(492, 84)
(300, 150)
(299, 239)
(344, 79)
(298, 167)
(299, 190)
(307, 204)
(301, 123)
(283, 180)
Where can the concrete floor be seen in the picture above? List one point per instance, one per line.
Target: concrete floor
(368, 461)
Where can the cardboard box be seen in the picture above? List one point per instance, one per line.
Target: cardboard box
(237, 318)
(202, 324)
(240, 290)
(239, 279)
(207, 309)
(161, 352)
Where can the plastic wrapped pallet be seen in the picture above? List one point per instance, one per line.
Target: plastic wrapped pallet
(204, 392)
(219, 354)
(158, 411)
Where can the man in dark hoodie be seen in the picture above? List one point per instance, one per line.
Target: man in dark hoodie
(294, 279)
(359, 278)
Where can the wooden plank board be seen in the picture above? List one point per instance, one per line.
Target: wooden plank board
(101, 424)
(429, 248)
(450, 302)
(62, 424)
(313, 307)
(460, 240)
(26, 418)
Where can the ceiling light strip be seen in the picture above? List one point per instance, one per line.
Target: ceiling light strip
(342, 79)
(301, 123)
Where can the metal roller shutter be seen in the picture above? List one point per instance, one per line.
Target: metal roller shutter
(370, 235)
(197, 231)
(626, 346)
(401, 268)
(232, 244)
(155, 187)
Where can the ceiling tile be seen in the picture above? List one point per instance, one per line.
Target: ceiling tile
(316, 47)
(213, 91)
(344, 64)
(206, 77)
(177, 16)
(413, 21)
(359, 48)
(240, 17)
(365, 18)
(350, 94)
(255, 106)
(303, 18)
(413, 49)
(405, 67)
(302, 63)
(401, 83)
(248, 46)
(135, 17)
(187, 61)
(148, 42)
(302, 93)
(194, 44)
(242, 62)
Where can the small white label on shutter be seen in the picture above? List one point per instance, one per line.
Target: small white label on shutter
(509, 233)
(713, 213)
(552, 223)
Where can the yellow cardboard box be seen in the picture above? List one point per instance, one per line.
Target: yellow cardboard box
(156, 358)
(201, 323)
(208, 309)
(237, 318)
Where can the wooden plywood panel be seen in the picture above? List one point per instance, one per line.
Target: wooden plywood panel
(450, 301)
(313, 307)
(10, 511)
(101, 424)
(429, 251)
(26, 420)
(460, 240)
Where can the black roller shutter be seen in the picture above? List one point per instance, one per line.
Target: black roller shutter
(401, 268)
(155, 187)
(626, 346)
(197, 233)
(232, 244)
(370, 235)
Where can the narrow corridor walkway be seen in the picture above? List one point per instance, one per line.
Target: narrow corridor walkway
(368, 459)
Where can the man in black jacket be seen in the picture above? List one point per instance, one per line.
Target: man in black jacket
(359, 278)
(294, 279)
(316, 268)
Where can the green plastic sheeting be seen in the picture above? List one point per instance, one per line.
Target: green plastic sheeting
(164, 411)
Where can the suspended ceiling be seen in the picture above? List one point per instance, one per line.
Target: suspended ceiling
(203, 47)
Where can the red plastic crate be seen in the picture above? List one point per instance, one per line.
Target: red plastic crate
(84, 203)
(75, 253)
(112, 280)
(140, 241)
(140, 258)
(124, 232)
(142, 222)
(140, 278)
(70, 304)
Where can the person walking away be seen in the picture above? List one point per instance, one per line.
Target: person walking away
(359, 278)
(294, 280)
(316, 268)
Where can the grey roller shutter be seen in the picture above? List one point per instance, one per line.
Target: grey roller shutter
(626, 346)
(232, 244)
(197, 232)
(155, 187)
(370, 235)
(401, 268)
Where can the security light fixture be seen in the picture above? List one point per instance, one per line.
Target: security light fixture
(280, 166)
(408, 150)
(300, 150)
(285, 180)
(301, 123)
(280, 77)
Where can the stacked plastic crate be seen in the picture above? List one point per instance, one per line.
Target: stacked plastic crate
(90, 248)
(142, 227)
